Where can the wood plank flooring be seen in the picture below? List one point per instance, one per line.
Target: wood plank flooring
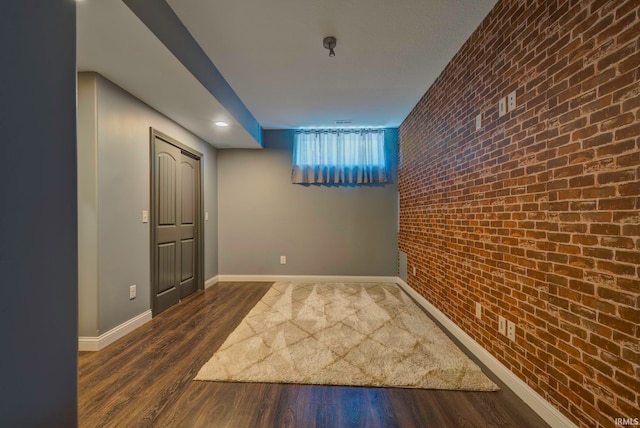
(145, 379)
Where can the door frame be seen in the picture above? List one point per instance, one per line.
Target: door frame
(153, 134)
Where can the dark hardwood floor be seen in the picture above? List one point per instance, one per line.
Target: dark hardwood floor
(145, 379)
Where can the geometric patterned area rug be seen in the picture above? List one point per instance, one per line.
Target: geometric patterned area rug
(362, 334)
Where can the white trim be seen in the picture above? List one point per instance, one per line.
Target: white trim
(88, 344)
(209, 282)
(105, 339)
(305, 278)
(538, 404)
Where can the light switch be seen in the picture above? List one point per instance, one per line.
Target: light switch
(145, 216)
(502, 107)
(502, 325)
(206, 216)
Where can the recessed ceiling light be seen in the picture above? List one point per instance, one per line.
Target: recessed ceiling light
(221, 123)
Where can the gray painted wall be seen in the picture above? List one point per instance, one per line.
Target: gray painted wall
(322, 230)
(38, 218)
(87, 151)
(210, 178)
(123, 192)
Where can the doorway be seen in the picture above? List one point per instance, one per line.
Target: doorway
(176, 222)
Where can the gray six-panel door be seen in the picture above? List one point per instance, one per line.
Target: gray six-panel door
(176, 176)
(189, 172)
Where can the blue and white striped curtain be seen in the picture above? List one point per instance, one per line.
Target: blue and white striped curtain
(339, 156)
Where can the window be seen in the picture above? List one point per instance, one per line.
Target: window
(339, 156)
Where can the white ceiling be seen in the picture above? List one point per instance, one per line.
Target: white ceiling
(388, 53)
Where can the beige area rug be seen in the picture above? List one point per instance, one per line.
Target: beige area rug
(342, 334)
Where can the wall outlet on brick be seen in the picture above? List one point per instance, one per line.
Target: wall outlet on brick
(478, 310)
(478, 122)
(511, 330)
(502, 325)
(511, 101)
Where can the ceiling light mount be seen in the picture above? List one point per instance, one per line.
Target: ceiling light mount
(329, 43)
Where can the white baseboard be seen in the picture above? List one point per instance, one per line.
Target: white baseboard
(209, 282)
(305, 278)
(538, 404)
(105, 339)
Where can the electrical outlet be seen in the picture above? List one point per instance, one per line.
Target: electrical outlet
(502, 107)
(145, 216)
(511, 101)
(478, 310)
(283, 260)
(132, 292)
(478, 122)
(511, 330)
(206, 216)
(414, 271)
(502, 325)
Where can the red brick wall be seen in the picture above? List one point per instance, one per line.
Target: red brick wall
(536, 215)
